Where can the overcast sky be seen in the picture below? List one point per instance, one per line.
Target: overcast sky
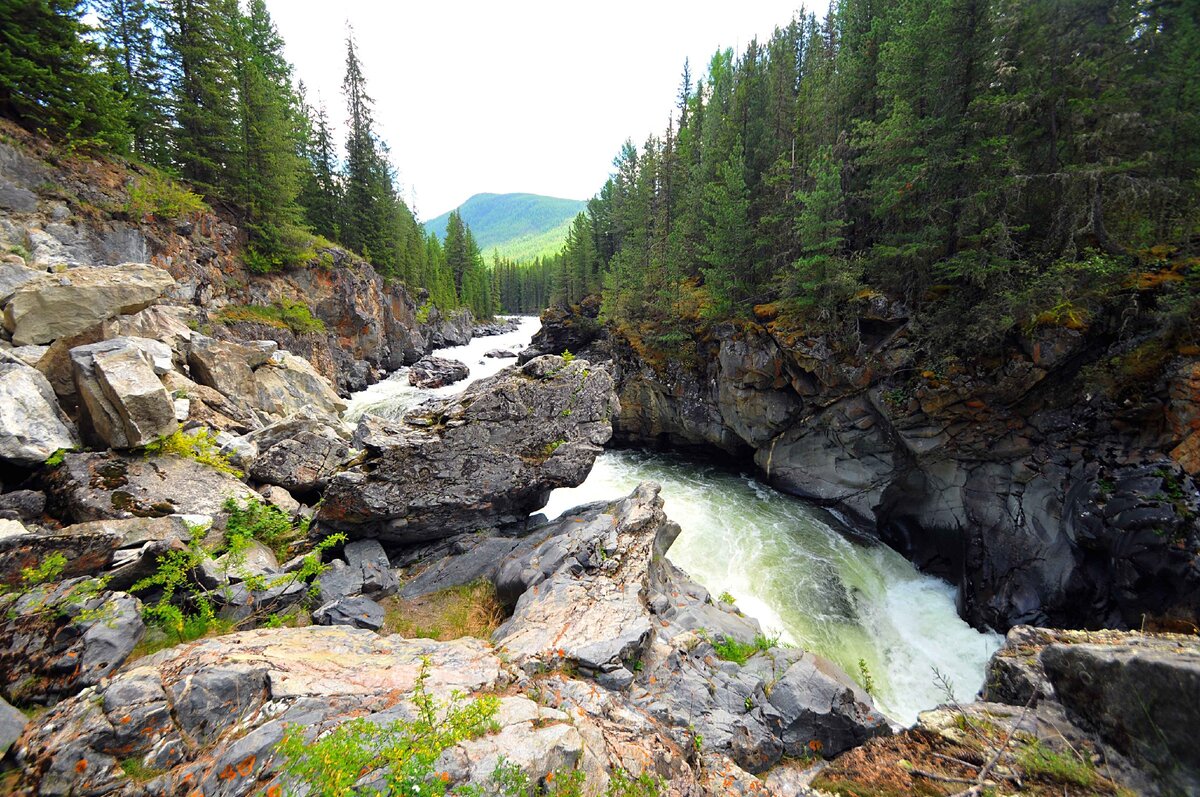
(513, 96)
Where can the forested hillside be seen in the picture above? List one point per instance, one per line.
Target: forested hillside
(201, 92)
(994, 165)
(517, 226)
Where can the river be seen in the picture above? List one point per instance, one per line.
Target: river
(786, 563)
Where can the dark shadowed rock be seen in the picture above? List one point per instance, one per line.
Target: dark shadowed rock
(499, 354)
(23, 504)
(358, 612)
(489, 456)
(58, 639)
(299, 455)
(432, 372)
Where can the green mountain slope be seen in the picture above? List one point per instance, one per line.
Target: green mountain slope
(519, 226)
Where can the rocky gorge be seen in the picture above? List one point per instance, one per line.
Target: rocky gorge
(204, 563)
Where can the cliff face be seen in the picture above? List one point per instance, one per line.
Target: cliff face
(69, 210)
(1042, 498)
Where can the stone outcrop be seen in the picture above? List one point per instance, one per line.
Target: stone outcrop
(299, 454)
(1100, 711)
(488, 457)
(433, 372)
(1039, 509)
(32, 426)
(56, 640)
(593, 592)
(566, 329)
(66, 303)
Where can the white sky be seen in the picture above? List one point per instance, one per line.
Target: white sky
(535, 96)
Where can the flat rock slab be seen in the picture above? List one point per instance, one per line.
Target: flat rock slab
(211, 712)
(99, 486)
(64, 304)
(434, 372)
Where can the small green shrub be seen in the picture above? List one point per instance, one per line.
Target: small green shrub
(567, 357)
(137, 771)
(727, 598)
(57, 458)
(423, 312)
(404, 752)
(156, 193)
(295, 316)
(1038, 760)
(864, 673)
(49, 569)
(264, 522)
(730, 649)
(200, 445)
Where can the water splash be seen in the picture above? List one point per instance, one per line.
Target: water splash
(786, 565)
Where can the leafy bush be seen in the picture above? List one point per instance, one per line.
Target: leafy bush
(200, 445)
(157, 194)
(264, 522)
(730, 649)
(295, 316)
(403, 752)
(423, 312)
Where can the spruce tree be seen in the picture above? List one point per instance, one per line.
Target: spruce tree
(133, 52)
(48, 78)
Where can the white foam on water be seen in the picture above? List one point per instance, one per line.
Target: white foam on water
(786, 565)
(783, 561)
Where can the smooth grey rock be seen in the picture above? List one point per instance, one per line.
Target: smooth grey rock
(1142, 697)
(281, 499)
(12, 724)
(499, 354)
(339, 580)
(13, 276)
(256, 561)
(30, 355)
(11, 528)
(358, 612)
(32, 426)
(490, 456)
(60, 305)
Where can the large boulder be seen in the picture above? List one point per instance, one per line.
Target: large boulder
(299, 454)
(120, 391)
(58, 639)
(1141, 695)
(566, 329)
(274, 384)
(12, 724)
(64, 304)
(433, 372)
(32, 426)
(99, 486)
(488, 457)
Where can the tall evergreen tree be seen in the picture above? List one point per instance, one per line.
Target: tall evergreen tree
(48, 74)
(133, 51)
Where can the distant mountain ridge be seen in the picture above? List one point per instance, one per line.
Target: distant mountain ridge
(518, 226)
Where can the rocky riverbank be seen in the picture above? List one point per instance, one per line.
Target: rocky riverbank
(1041, 497)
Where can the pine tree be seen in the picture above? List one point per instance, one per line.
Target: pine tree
(200, 37)
(267, 178)
(321, 190)
(133, 52)
(48, 79)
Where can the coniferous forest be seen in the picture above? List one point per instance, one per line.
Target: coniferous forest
(990, 163)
